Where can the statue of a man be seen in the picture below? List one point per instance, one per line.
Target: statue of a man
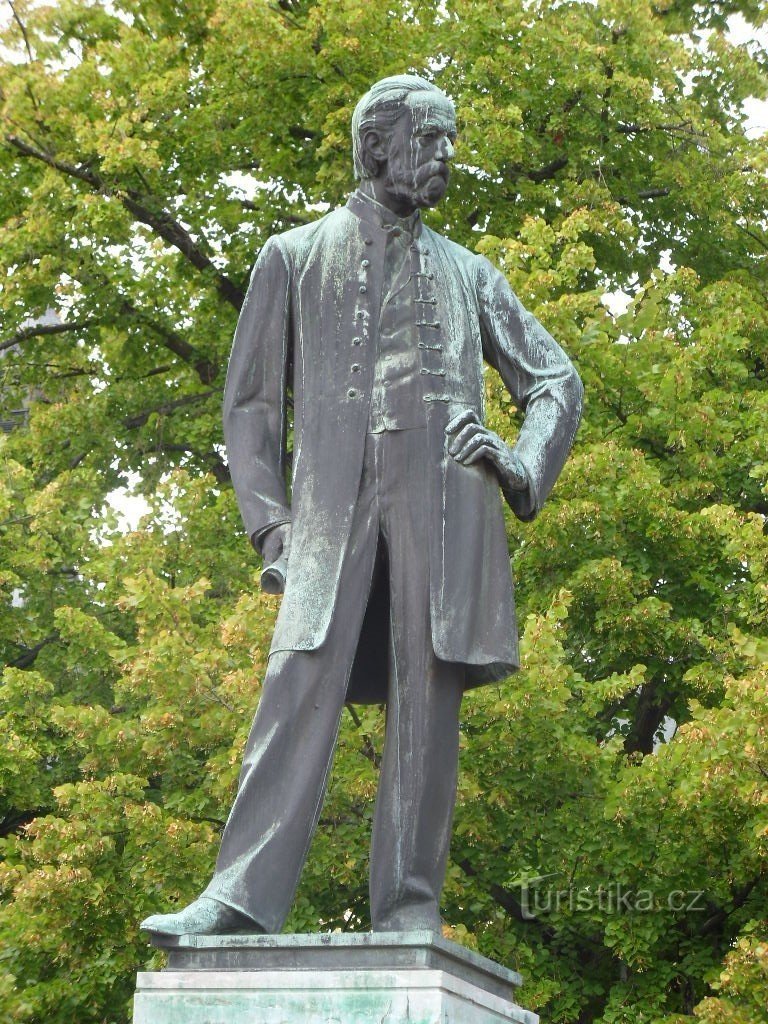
(398, 587)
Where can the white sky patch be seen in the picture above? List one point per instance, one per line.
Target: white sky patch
(617, 302)
(741, 32)
(129, 506)
(245, 184)
(665, 263)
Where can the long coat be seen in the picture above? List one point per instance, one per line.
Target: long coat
(309, 324)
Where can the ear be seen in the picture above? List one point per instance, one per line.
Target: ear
(374, 151)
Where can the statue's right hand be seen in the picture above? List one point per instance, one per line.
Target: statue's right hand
(276, 543)
(274, 549)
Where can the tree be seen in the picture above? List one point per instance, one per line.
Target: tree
(148, 150)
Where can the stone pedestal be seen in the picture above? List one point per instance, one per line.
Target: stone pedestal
(369, 978)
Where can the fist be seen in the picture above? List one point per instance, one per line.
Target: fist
(467, 441)
(276, 542)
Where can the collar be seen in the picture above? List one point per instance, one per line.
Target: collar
(372, 212)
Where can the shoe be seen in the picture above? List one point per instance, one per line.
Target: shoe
(203, 917)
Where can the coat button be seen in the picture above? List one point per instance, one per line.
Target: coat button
(365, 263)
(368, 241)
(352, 392)
(355, 367)
(357, 341)
(359, 314)
(363, 289)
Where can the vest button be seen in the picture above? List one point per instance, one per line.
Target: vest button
(368, 241)
(355, 367)
(363, 289)
(357, 341)
(352, 393)
(365, 263)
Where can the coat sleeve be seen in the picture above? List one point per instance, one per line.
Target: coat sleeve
(541, 380)
(255, 395)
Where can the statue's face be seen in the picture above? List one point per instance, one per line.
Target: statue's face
(420, 146)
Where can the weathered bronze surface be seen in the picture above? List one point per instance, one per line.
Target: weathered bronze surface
(392, 547)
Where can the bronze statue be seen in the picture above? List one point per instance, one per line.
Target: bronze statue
(397, 582)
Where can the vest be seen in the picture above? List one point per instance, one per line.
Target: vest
(403, 359)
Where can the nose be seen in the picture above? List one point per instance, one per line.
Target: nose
(446, 149)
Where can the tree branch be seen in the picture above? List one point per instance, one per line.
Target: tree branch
(30, 55)
(548, 171)
(369, 750)
(648, 193)
(683, 128)
(132, 422)
(28, 658)
(23, 28)
(216, 464)
(650, 712)
(40, 330)
(507, 900)
(170, 230)
(282, 11)
(302, 134)
(541, 174)
(753, 236)
(16, 519)
(12, 822)
(206, 370)
(721, 915)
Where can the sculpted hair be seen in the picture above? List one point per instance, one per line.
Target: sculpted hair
(380, 108)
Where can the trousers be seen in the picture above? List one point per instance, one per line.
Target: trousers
(290, 748)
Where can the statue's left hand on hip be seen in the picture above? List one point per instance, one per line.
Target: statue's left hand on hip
(468, 440)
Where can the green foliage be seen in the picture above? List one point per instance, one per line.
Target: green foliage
(147, 151)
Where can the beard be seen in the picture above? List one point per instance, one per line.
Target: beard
(418, 186)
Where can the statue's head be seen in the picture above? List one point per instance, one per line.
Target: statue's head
(403, 130)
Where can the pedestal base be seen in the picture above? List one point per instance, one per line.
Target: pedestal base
(387, 978)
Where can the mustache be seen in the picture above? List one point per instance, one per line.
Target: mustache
(437, 168)
(397, 172)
